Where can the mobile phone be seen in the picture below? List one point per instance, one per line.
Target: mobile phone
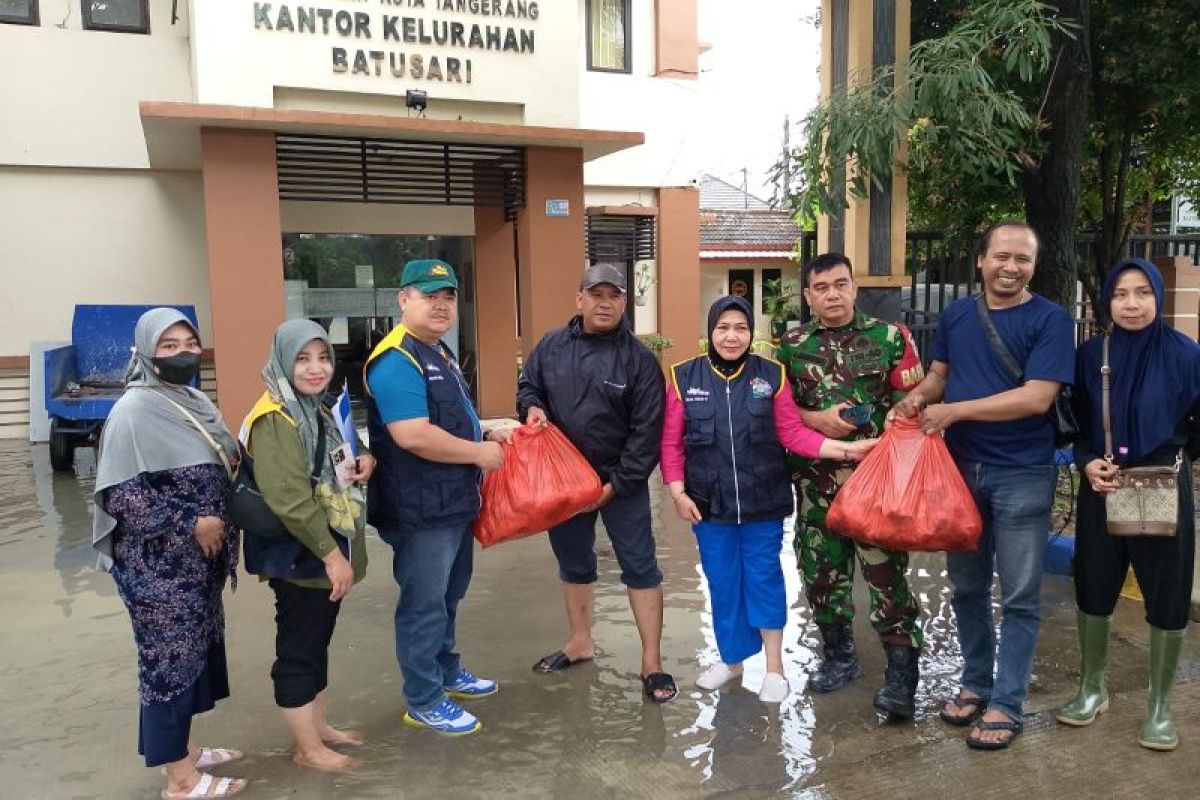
(344, 464)
(858, 415)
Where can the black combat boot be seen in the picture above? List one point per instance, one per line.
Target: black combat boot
(840, 664)
(899, 691)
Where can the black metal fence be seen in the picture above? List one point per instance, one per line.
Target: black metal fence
(941, 270)
(1147, 246)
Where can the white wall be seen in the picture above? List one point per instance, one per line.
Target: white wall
(70, 97)
(665, 109)
(236, 63)
(714, 283)
(97, 236)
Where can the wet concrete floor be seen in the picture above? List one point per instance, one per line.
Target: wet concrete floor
(68, 722)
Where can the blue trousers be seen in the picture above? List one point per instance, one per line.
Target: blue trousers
(745, 582)
(433, 568)
(165, 727)
(1015, 505)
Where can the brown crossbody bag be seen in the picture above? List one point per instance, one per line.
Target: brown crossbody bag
(1146, 501)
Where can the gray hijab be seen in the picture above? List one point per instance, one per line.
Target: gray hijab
(343, 507)
(290, 338)
(146, 432)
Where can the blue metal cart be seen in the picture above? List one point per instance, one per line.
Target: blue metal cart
(85, 379)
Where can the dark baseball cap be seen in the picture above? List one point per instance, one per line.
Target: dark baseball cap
(603, 272)
(428, 275)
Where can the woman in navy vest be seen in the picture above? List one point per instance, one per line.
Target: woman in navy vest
(729, 418)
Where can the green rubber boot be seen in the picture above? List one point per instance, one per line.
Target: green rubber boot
(1092, 698)
(1158, 733)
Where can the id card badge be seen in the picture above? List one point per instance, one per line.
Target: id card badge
(344, 465)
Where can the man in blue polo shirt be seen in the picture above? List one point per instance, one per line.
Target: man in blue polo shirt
(424, 494)
(999, 432)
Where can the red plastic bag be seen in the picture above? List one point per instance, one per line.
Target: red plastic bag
(543, 481)
(907, 494)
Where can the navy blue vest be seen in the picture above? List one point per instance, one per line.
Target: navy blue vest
(735, 468)
(407, 490)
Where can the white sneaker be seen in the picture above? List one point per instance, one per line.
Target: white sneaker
(774, 688)
(717, 676)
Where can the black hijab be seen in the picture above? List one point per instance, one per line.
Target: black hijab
(728, 303)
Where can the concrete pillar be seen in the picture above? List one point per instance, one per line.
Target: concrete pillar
(245, 260)
(679, 271)
(1181, 282)
(496, 312)
(857, 38)
(676, 39)
(1181, 310)
(550, 250)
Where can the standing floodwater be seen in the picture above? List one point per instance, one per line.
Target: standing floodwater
(68, 723)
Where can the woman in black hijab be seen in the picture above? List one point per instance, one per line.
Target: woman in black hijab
(1154, 409)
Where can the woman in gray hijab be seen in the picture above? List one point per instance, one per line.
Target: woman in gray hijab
(310, 477)
(162, 477)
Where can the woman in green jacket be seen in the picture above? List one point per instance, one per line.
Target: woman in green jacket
(315, 491)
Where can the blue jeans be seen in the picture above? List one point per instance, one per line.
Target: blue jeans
(1015, 505)
(745, 582)
(433, 569)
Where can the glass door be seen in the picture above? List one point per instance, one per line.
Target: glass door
(348, 283)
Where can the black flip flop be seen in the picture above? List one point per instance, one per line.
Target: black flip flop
(975, 706)
(556, 662)
(1010, 725)
(656, 682)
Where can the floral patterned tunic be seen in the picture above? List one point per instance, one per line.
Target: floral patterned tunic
(172, 591)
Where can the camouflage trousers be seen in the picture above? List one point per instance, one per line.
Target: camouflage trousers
(826, 562)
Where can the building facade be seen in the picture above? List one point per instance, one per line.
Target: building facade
(261, 160)
(752, 250)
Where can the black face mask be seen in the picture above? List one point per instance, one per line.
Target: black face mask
(179, 369)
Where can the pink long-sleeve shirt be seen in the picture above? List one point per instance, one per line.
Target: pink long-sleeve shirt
(793, 434)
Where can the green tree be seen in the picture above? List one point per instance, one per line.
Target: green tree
(1079, 113)
(957, 117)
(1145, 122)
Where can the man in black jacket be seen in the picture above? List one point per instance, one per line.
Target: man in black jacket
(604, 389)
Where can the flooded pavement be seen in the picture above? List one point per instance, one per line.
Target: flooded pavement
(68, 721)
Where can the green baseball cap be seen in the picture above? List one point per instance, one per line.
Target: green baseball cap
(428, 275)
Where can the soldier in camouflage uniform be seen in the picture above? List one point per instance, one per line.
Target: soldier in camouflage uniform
(847, 369)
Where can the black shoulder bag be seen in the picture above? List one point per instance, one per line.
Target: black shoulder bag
(1066, 428)
(246, 506)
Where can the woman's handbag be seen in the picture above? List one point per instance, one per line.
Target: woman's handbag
(245, 504)
(1146, 500)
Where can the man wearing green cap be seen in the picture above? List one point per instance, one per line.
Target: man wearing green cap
(424, 495)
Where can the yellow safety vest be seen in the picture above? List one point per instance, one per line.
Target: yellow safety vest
(264, 406)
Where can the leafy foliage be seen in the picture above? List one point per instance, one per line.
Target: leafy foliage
(955, 113)
(975, 120)
(657, 343)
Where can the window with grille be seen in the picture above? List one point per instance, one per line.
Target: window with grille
(608, 29)
(619, 237)
(124, 16)
(19, 12)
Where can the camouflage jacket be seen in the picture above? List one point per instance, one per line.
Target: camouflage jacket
(866, 361)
